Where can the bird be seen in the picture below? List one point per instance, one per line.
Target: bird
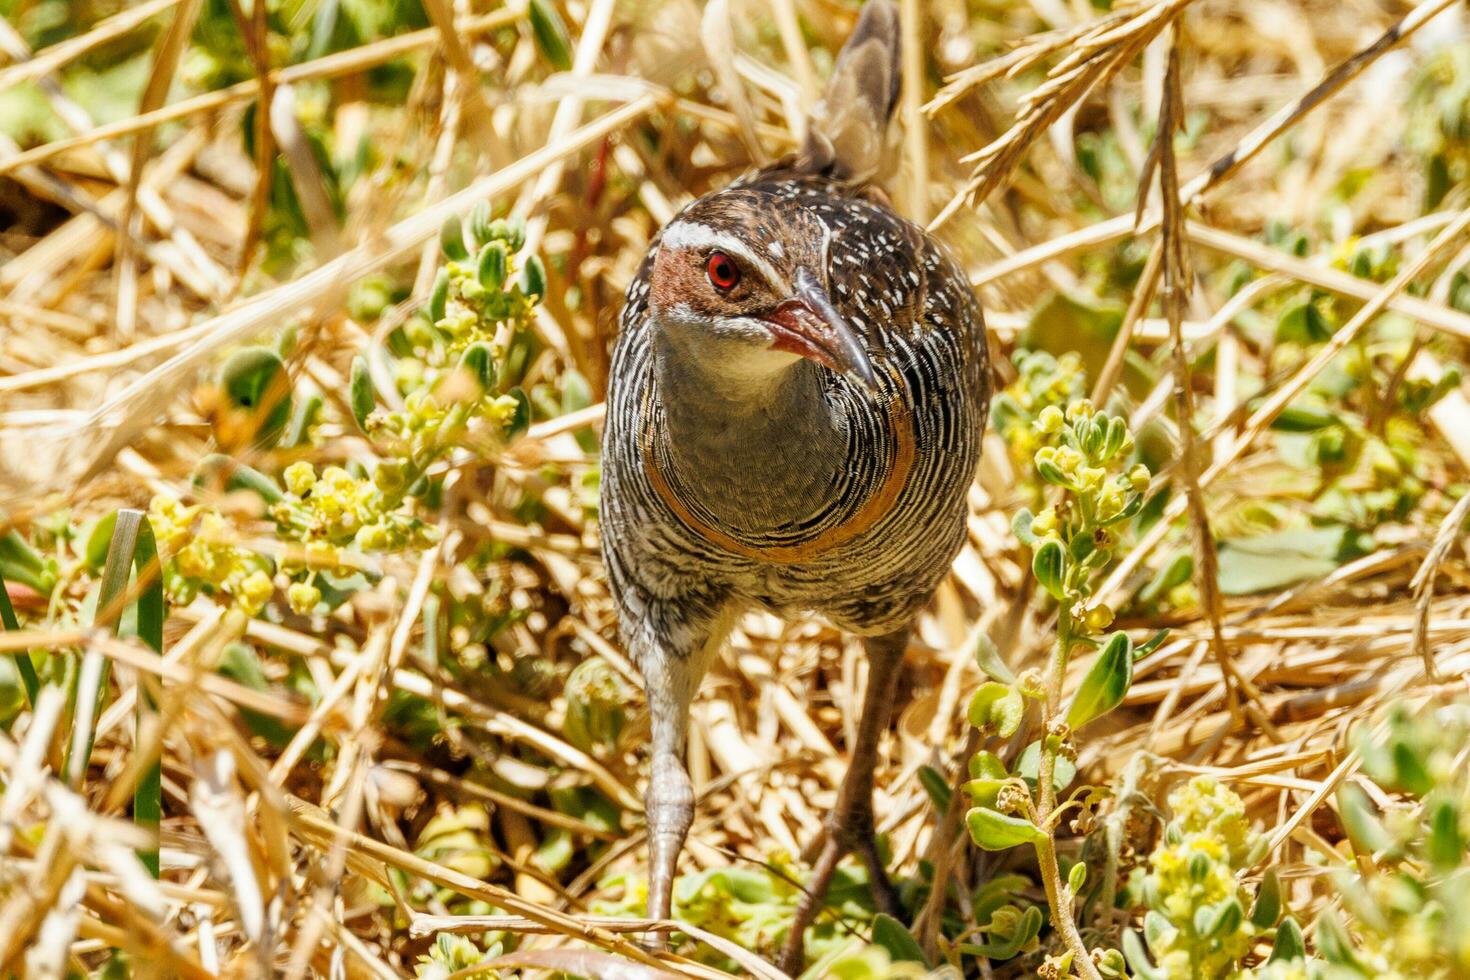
(795, 407)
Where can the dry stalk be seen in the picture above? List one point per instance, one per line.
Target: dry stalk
(1177, 284)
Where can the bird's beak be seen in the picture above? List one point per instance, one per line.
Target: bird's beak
(808, 325)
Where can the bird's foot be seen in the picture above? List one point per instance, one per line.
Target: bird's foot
(852, 836)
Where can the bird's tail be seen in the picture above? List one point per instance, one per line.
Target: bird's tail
(847, 135)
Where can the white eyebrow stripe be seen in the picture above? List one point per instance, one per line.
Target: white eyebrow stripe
(692, 234)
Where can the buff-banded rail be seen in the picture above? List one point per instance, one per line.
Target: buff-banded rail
(795, 409)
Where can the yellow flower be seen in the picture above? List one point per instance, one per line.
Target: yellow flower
(254, 591)
(214, 529)
(1050, 420)
(320, 554)
(1098, 618)
(1046, 522)
(299, 476)
(502, 409)
(372, 537)
(171, 521)
(390, 475)
(303, 597)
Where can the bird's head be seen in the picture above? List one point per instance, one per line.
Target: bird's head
(747, 298)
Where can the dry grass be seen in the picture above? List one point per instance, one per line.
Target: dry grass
(131, 264)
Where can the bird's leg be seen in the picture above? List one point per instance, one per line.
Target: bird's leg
(669, 802)
(673, 645)
(850, 825)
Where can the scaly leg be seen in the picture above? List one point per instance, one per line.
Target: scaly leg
(672, 654)
(850, 825)
(669, 802)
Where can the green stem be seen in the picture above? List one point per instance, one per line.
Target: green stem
(1058, 894)
(132, 548)
(23, 664)
(1059, 898)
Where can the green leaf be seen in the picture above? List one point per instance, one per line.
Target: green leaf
(1052, 473)
(481, 225)
(19, 562)
(988, 774)
(1174, 572)
(303, 417)
(551, 35)
(1091, 436)
(439, 296)
(99, 539)
(255, 380)
(1150, 645)
(987, 765)
(997, 707)
(1360, 821)
(132, 547)
(1445, 846)
(533, 278)
(1289, 944)
(521, 420)
(23, 665)
(1049, 564)
(1222, 919)
(1267, 907)
(1021, 526)
(576, 394)
(994, 831)
(240, 663)
(515, 232)
(1304, 418)
(1077, 877)
(1410, 773)
(1006, 944)
(1335, 945)
(936, 786)
(1281, 558)
(1158, 931)
(451, 239)
(1133, 505)
(1138, 961)
(478, 362)
(1028, 767)
(987, 657)
(493, 259)
(217, 472)
(1106, 683)
(889, 933)
(1117, 435)
(1303, 323)
(361, 388)
(984, 791)
(996, 893)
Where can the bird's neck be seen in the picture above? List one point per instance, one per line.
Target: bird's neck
(759, 452)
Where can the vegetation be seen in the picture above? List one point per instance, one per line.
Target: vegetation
(308, 662)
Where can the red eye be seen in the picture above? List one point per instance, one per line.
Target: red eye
(722, 271)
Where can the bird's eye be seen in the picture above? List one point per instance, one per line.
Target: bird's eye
(723, 273)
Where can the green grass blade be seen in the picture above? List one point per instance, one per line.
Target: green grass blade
(22, 658)
(132, 547)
